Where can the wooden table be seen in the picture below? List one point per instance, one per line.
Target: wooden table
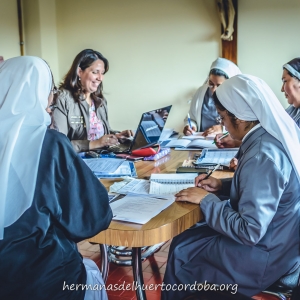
(175, 219)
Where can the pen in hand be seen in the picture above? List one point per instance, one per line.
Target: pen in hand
(190, 124)
(221, 137)
(214, 169)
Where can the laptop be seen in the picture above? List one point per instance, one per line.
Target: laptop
(148, 131)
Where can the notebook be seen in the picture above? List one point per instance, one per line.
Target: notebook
(171, 183)
(148, 131)
(173, 178)
(199, 135)
(188, 144)
(111, 167)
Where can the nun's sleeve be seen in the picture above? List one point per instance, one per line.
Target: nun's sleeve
(258, 198)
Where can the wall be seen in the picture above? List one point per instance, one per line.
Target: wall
(9, 32)
(159, 51)
(40, 31)
(268, 37)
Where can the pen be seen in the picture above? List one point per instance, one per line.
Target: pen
(222, 137)
(189, 120)
(214, 169)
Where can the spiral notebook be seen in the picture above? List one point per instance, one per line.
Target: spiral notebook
(171, 183)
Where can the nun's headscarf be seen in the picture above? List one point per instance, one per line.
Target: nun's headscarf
(249, 98)
(293, 67)
(25, 84)
(225, 65)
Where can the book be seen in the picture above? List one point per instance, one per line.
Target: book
(188, 144)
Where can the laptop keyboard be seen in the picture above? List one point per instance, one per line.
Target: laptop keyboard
(118, 148)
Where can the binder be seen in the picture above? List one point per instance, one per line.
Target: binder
(192, 170)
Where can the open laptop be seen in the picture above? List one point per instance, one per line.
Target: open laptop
(148, 131)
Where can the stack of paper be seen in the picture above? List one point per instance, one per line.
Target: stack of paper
(139, 208)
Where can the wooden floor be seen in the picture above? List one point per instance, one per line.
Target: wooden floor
(153, 271)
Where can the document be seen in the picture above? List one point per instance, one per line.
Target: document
(166, 133)
(166, 188)
(188, 144)
(103, 165)
(173, 178)
(198, 135)
(111, 167)
(137, 186)
(161, 184)
(217, 156)
(139, 208)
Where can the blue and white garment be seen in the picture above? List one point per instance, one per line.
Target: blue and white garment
(230, 69)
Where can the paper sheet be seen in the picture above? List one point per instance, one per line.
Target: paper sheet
(198, 135)
(163, 188)
(138, 208)
(138, 186)
(217, 156)
(194, 144)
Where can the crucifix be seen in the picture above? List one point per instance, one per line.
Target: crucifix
(227, 10)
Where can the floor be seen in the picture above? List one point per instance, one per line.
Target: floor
(153, 271)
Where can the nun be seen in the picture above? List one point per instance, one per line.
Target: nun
(250, 239)
(203, 114)
(49, 198)
(291, 88)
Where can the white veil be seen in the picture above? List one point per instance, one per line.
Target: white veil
(25, 84)
(223, 64)
(250, 98)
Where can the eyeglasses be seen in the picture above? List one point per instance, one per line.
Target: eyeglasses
(219, 120)
(54, 90)
(52, 107)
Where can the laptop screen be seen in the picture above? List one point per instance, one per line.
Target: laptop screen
(150, 127)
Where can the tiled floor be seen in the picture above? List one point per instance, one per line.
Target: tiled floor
(153, 271)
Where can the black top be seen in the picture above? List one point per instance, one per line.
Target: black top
(39, 252)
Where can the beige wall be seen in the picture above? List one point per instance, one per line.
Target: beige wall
(32, 27)
(268, 37)
(159, 51)
(40, 31)
(9, 34)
